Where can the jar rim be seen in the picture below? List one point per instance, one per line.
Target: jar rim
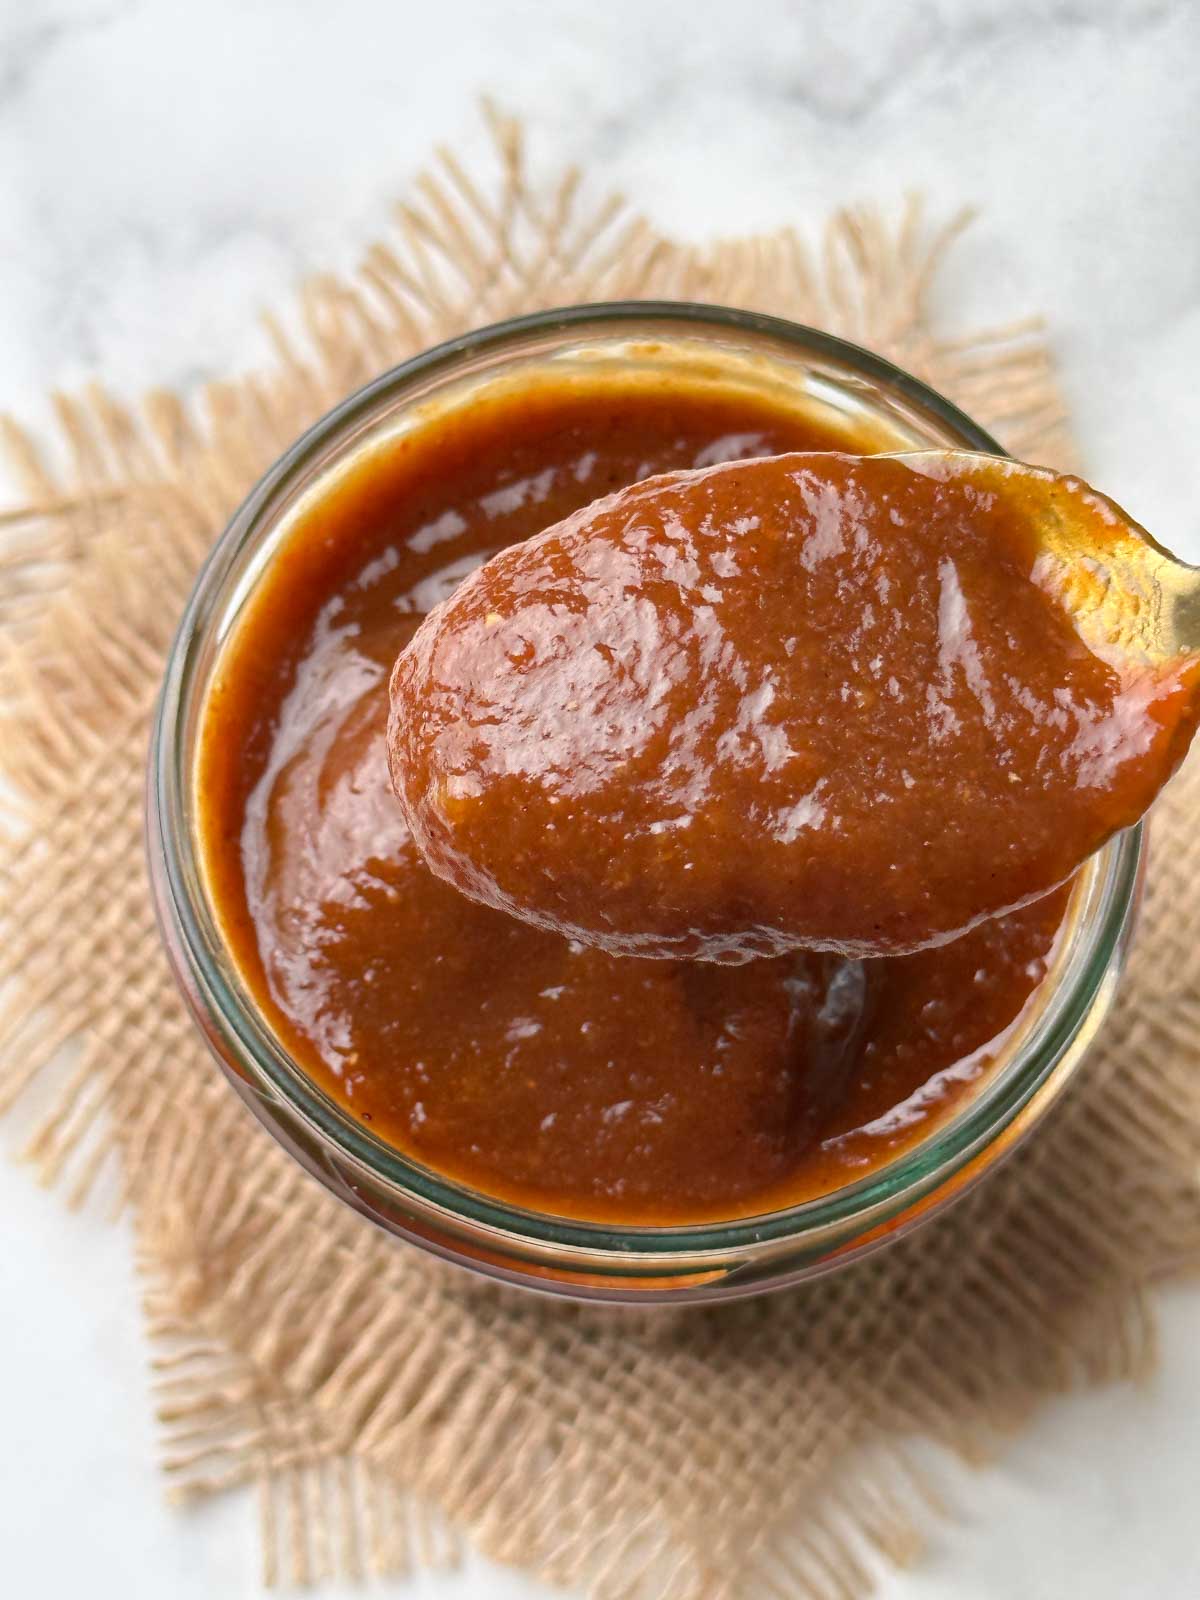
(893, 1186)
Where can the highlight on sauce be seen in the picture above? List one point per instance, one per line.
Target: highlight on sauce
(530, 1066)
(809, 701)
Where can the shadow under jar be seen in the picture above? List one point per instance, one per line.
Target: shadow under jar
(586, 1125)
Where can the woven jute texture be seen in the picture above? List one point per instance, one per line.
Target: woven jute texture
(383, 1410)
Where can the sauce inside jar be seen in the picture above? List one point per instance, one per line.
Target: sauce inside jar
(508, 1058)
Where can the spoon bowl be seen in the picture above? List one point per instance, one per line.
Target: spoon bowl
(853, 703)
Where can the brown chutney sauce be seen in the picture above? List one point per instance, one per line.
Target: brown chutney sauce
(809, 701)
(508, 1058)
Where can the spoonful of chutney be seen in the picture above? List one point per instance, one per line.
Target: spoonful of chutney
(848, 703)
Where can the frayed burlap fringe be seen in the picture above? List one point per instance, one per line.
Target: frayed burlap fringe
(383, 1409)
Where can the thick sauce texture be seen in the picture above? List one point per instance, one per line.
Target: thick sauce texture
(528, 1065)
(817, 701)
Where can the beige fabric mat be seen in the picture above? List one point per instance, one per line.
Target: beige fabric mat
(381, 1409)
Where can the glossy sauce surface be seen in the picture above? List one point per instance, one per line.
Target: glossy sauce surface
(816, 700)
(530, 1066)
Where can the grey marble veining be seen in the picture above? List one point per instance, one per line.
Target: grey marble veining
(167, 170)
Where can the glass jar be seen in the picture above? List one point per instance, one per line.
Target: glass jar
(651, 342)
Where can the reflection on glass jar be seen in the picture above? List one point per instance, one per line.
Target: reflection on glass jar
(568, 1182)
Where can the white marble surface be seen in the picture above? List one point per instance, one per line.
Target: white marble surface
(168, 169)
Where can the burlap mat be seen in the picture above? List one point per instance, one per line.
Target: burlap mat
(383, 1410)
